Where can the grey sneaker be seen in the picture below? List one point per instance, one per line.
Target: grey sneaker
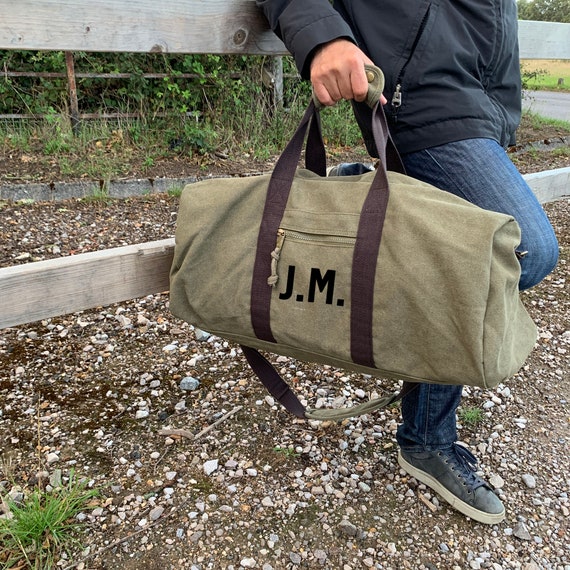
(451, 473)
(349, 169)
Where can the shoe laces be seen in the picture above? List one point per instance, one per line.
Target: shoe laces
(462, 460)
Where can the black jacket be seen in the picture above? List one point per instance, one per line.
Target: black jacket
(451, 66)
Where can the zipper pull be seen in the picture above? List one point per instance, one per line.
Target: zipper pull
(275, 254)
(397, 97)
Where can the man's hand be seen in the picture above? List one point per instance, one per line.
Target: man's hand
(337, 72)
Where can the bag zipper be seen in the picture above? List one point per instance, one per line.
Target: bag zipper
(396, 100)
(299, 236)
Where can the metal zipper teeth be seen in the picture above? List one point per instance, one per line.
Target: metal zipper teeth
(396, 100)
(301, 236)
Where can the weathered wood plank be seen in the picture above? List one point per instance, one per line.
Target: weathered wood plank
(66, 285)
(185, 26)
(544, 40)
(177, 26)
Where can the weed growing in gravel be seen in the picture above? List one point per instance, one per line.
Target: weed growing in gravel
(286, 451)
(37, 531)
(471, 416)
(175, 191)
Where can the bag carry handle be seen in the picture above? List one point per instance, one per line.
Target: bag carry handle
(369, 235)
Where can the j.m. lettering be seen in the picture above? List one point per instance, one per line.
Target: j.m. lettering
(318, 283)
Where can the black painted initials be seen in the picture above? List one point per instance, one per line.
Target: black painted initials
(322, 282)
(317, 283)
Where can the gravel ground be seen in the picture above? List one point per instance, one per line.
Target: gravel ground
(199, 469)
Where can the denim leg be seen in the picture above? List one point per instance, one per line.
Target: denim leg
(480, 171)
(428, 414)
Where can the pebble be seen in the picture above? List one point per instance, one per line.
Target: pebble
(496, 481)
(347, 528)
(142, 414)
(210, 466)
(521, 531)
(156, 513)
(189, 384)
(201, 335)
(529, 481)
(52, 458)
(295, 558)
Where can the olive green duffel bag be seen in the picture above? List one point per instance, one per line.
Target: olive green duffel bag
(377, 273)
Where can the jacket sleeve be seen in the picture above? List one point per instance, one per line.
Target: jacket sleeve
(303, 25)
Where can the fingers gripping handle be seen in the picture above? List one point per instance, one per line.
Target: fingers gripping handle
(375, 79)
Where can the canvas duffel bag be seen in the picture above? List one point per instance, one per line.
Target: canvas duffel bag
(377, 273)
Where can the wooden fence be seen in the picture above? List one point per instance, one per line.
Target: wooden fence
(55, 287)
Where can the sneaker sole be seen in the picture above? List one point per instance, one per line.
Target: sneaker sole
(455, 502)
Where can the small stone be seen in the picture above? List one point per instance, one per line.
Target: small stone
(267, 502)
(295, 558)
(348, 529)
(248, 563)
(496, 481)
(210, 466)
(320, 555)
(521, 532)
(391, 548)
(55, 479)
(189, 384)
(52, 458)
(201, 335)
(141, 414)
(529, 481)
(156, 513)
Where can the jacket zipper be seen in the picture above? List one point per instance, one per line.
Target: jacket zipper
(396, 101)
(299, 236)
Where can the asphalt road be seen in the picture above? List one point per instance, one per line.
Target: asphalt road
(551, 104)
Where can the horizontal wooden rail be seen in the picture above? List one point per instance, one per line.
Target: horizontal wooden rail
(45, 289)
(177, 26)
(186, 26)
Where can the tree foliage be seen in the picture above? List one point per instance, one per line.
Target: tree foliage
(544, 10)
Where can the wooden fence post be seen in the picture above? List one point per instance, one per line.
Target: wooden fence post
(74, 105)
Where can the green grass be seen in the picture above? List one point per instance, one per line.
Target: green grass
(538, 122)
(550, 75)
(43, 526)
(471, 416)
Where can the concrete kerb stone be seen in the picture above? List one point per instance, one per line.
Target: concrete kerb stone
(548, 186)
(57, 191)
(34, 192)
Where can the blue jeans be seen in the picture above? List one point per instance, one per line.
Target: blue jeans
(479, 171)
